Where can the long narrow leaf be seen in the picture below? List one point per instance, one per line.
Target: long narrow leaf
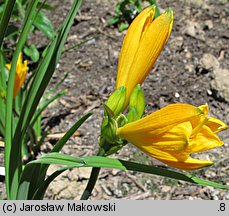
(44, 74)
(45, 105)
(12, 154)
(9, 5)
(40, 81)
(97, 161)
(59, 145)
(39, 194)
(30, 183)
(55, 87)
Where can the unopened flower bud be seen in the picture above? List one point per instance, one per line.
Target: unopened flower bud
(136, 104)
(108, 132)
(117, 100)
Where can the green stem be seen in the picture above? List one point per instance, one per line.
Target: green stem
(92, 180)
(91, 183)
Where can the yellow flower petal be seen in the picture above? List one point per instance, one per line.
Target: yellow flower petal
(173, 133)
(20, 75)
(142, 45)
(216, 125)
(204, 140)
(131, 44)
(8, 66)
(173, 143)
(169, 159)
(189, 164)
(161, 120)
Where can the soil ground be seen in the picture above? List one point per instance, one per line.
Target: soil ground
(200, 27)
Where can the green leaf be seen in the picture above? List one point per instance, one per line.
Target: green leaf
(98, 161)
(5, 17)
(39, 194)
(113, 20)
(11, 31)
(32, 52)
(43, 23)
(157, 11)
(59, 145)
(46, 6)
(44, 73)
(44, 105)
(123, 26)
(61, 159)
(12, 154)
(32, 179)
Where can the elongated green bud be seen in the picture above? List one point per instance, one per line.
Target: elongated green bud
(109, 141)
(136, 104)
(117, 100)
(108, 127)
(109, 131)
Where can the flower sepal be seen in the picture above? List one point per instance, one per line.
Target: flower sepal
(109, 127)
(136, 104)
(117, 100)
(109, 141)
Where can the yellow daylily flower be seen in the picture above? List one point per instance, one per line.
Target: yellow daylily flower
(141, 47)
(175, 132)
(20, 75)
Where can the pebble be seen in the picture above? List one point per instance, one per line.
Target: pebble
(220, 84)
(208, 24)
(209, 61)
(176, 43)
(201, 4)
(193, 29)
(177, 95)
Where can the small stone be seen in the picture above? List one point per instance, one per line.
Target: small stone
(177, 95)
(209, 92)
(193, 29)
(201, 4)
(115, 54)
(208, 62)
(2, 171)
(165, 189)
(208, 24)
(176, 43)
(220, 84)
(188, 55)
(189, 67)
(210, 174)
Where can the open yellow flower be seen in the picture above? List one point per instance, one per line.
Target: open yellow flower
(173, 133)
(20, 75)
(141, 47)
